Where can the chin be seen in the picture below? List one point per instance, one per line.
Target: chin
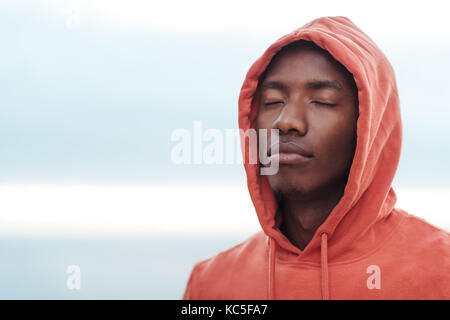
(289, 186)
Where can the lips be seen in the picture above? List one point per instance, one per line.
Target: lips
(289, 147)
(289, 153)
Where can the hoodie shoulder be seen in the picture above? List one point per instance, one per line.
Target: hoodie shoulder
(422, 238)
(425, 232)
(420, 253)
(209, 276)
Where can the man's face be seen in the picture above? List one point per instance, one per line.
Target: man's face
(314, 103)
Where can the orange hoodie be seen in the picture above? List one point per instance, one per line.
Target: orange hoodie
(366, 248)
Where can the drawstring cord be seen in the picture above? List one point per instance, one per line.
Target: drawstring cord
(323, 267)
(271, 269)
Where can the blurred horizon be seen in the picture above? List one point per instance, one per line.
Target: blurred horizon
(157, 210)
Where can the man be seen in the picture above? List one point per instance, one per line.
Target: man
(330, 228)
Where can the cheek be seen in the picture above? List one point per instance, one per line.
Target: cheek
(264, 119)
(259, 123)
(335, 140)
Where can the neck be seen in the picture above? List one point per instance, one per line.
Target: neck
(303, 214)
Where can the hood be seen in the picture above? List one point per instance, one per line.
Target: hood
(368, 198)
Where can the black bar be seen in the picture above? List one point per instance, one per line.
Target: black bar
(221, 309)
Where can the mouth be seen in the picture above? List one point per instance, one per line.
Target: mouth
(289, 153)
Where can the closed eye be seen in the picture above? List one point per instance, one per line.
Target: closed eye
(323, 103)
(272, 103)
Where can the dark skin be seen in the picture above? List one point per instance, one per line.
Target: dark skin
(315, 107)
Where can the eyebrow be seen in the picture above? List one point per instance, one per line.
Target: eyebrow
(315, 85)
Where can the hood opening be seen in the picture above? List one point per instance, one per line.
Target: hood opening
(302, 45)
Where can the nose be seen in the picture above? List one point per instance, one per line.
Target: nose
(292, 117)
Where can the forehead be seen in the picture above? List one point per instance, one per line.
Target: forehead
(304, 64)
